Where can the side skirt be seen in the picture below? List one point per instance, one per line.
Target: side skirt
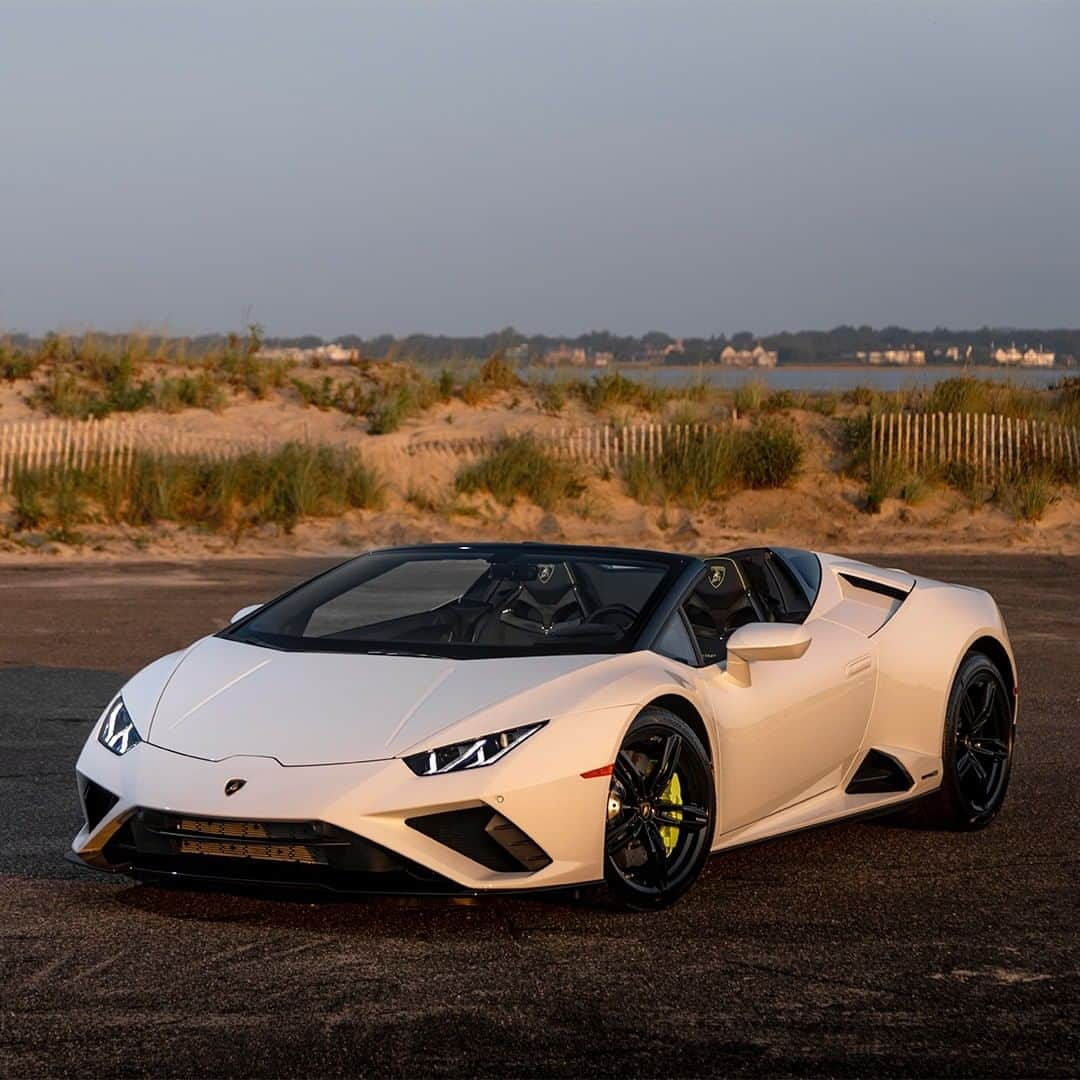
(741, 840)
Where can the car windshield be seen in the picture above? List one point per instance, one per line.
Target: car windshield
(469, 602)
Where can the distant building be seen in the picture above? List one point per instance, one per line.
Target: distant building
(956, 353)
(565, 354)
(758, 356)
(1028, 358)
(903, 356)
(603, 359)
(329, 354)
(517, 354)
(662, 354)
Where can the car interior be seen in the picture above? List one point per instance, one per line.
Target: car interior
(517, 603)
(528, 601)
(753, 585)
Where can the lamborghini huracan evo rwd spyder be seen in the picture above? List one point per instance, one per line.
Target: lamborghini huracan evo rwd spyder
(485, 717)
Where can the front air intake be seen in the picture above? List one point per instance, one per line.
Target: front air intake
(484, 836)
(96, 801)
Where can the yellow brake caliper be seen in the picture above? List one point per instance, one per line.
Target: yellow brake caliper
(670, 833)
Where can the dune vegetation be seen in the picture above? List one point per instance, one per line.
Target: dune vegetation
(280, 488)
(722, 443)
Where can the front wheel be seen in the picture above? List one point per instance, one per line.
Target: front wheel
(660, 813)
(977, 748)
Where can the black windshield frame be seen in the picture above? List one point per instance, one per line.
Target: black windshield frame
(638, 636)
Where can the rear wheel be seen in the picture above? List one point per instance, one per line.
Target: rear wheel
(660, 813)
(976, 750)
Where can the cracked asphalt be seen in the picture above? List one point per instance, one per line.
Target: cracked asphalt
(862, 949)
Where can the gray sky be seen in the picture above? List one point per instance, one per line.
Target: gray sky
(455, 167)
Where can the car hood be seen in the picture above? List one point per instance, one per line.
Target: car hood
(226, 699)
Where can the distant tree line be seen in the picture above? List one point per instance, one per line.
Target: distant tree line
(793, 347)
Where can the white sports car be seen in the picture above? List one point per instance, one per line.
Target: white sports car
(486, 717)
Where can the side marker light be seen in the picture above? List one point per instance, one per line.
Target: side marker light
(604, 770)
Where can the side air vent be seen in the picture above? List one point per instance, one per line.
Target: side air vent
(879, 773)
(866, 604)
(96, 801)
(878, 587)
(484, 836)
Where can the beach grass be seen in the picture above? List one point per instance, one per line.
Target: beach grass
(282, 488)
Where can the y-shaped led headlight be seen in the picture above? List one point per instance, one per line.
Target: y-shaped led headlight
(117, 732)
(473, 754)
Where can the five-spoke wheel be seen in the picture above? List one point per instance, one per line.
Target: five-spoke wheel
(977, 748)
(659, 813)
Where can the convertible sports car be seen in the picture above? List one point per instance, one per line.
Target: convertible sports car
(483, 717)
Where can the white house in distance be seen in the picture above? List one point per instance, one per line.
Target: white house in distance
(957, 353)
(329, 354)
(1028, 358)
(906, 355)
(758, 356)
(565, 354)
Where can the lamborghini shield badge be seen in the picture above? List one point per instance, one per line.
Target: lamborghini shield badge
(717, 575)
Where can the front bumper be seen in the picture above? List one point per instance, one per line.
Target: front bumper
(529, 822)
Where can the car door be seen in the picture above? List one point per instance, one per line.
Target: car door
(791, 733)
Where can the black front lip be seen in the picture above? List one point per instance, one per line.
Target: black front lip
(145, 844)
(321, 888)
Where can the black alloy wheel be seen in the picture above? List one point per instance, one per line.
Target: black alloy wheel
(660, 815)
(977, 748)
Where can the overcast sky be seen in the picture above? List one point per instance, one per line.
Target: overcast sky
(455, 167)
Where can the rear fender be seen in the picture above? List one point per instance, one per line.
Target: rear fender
(919, 652)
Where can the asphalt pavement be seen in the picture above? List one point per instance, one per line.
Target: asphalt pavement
(869, 948)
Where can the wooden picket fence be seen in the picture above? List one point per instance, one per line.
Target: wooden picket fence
(111, 444)
(992, 444)
(609, 445)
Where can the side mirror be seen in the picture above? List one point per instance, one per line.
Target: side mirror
(764, 641)
(244, 612)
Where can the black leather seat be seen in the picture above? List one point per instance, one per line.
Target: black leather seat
(530, 612)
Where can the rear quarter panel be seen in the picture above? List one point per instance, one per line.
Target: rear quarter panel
(919, 651)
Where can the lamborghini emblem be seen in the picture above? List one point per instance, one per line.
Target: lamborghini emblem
(544, 572)
(233, 786)
(717, 575)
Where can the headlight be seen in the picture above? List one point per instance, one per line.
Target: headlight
(117, 732)
(473, 754)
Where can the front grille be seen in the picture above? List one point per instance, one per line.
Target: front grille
(301, 853)
(232, 849)
(243, 830)
(249, 830)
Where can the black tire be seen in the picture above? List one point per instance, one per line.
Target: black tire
(977, 749)
(661, 813)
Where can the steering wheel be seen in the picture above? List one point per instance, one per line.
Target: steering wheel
(614, 609)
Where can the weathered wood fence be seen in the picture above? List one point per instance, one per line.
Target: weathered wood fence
(992, 444)
(609, 444)
(110, 444)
